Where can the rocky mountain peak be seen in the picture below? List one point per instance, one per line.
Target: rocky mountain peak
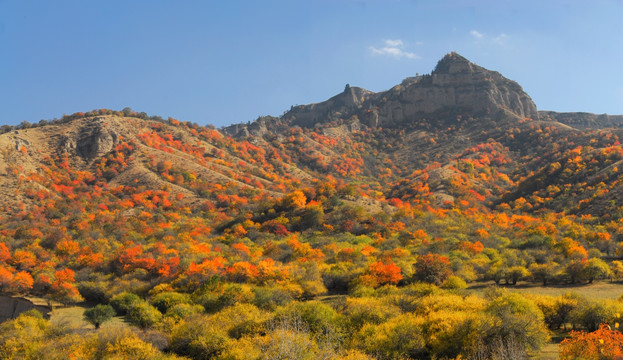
(455, 87)
(453, 63)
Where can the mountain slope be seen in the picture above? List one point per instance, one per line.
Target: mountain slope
(460, 122)
(453, 163)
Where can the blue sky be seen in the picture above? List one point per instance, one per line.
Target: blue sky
(222, 62)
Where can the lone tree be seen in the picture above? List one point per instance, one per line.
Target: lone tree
(99, 314)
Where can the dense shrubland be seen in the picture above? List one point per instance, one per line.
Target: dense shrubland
(363, 259)
(242, 321)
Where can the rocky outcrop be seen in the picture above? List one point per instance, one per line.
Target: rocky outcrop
(11, 307)
(341, 106)
(92, 140)
(455, 87)
(583, 120)
(257, 128)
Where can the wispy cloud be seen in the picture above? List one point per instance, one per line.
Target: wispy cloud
(500, 39)
(477, 34)
(393, 48)
(482, 38)
(394, 43)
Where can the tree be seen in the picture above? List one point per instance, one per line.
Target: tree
(318, 317)
(606, 245)
(64, 289)
(312, 217)
(242, 271)
(398, 338)
(616, 270)
(294, 200)
(288, 338)
(603, 343)
(144, 315)
(5, 253)
(543, 272)
(22, 282)
(308, 277)
(556, 310)
(591, 314)
(166, 300)
(575, 270)
(496, 272)
(21, 337)
(454, 282)
(99, 314)
(517, 319)
(432, 268)
(24, 259)
(199, 337)
(379, 273)
(596, 268)
(516, 273)
(123, 302)
(125, 344)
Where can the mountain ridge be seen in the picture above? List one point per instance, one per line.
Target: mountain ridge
(455, 85)
(360, 107)
(424, 120)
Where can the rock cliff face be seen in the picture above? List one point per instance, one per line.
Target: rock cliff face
(257, 128)
(340, 106)
(456, 86)
(92, 140)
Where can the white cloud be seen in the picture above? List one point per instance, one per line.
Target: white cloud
(394, 43)
(393, 48)
(476, 34)
(482, 38)
(500, 39)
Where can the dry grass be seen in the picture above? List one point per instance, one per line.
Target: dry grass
(72, 317)
(597, 290)
(548, 352)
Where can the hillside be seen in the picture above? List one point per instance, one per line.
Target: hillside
(448, 178)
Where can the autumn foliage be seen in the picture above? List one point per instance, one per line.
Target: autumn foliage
(603, 343)
(180, 224)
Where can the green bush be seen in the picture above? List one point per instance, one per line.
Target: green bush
(514, 318)
(99, 314)
(123, 302)
(164, 301)
(318, 317)
(94, 291)
(398, 338)
(181, 311)
(199, 338)
(270, 297)
(143, 315)
(454, 283)
(592, 313)
(362, 311)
